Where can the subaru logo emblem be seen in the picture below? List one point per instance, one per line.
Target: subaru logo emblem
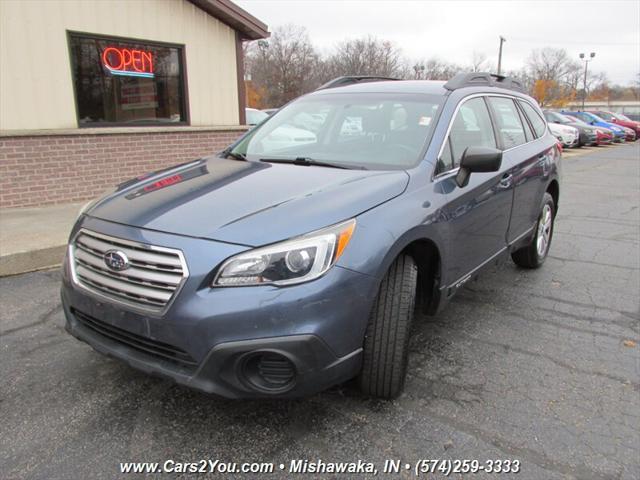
(116, 260)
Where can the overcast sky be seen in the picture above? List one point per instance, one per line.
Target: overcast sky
(452, 30)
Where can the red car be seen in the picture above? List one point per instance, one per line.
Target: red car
(619, 119)
(604, 137)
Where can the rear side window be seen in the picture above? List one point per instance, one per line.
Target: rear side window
(508, 122)
(471, 128)
(539, 125)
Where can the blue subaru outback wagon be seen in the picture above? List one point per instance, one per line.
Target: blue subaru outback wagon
(295, 259)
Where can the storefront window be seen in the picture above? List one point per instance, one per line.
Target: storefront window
(127, 82)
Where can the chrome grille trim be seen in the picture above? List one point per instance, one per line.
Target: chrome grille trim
(150, 284)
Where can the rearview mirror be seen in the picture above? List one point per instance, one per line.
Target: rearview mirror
(478, 159)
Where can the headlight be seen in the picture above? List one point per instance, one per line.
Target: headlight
(293, 261)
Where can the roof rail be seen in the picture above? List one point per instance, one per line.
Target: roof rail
(483, 79)
(351, 79)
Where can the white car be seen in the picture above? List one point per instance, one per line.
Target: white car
(286, 136)
(568, 136)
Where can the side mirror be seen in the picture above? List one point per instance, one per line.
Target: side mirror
(478, 159)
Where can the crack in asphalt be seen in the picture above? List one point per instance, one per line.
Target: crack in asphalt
(513, 450)
(554, 360)
(541, 321)
(43, 319)
(591, 262)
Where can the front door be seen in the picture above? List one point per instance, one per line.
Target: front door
(477, 214)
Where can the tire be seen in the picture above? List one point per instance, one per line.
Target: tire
(534, 254)
(386, 342)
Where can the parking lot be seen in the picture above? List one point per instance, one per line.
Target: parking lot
(541, 366)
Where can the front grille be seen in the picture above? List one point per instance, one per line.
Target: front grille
(151, 280)
(137, 342)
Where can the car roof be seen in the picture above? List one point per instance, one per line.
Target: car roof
(392, 86)
(432, 87)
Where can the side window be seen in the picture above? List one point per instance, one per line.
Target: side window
(539, 125)
(471, 128)
(508, 120)
(527, 128)
(445, 162)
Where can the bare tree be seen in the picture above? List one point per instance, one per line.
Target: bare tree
(555, 77)
(285, 66)
(479, 62)
(365, 56)
(551, 64)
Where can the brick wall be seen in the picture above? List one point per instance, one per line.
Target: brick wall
(50, 169)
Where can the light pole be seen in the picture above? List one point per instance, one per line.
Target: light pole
(502, 40)
(586, 61)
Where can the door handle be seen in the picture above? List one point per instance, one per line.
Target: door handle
(506, 181)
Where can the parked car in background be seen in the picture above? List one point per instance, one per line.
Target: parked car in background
(618, 119)
(254, 117)
(587, 133)
(619, 134)
(287, 135)
(630, 134)
(604, 136)
(281, 269)
(568, 136)
(270, 111)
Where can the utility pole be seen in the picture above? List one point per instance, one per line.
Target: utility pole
(584, 82)
(502, 40)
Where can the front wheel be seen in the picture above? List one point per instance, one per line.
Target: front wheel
(534, 254)
(386, 343)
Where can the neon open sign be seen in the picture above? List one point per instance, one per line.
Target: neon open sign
(129, 62)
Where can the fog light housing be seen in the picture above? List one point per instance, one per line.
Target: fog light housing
(268, 372)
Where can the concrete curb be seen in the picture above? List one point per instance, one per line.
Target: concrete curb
(23, 262)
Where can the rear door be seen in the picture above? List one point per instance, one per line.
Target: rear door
(525, 162)
(477, 214)
(531, 179)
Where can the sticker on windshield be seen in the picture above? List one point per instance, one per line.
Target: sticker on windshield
(424, 121)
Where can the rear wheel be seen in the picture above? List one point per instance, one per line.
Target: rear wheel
(386, 343)
(534, 254)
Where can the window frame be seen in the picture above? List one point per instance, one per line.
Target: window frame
(491, 122)
(184, 91)
(435, 175)
(519, 102)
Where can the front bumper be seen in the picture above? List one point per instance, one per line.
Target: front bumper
(207, 336)
(569, 141)
(588, 138)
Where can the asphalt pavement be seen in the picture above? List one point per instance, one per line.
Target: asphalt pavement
(541, 366)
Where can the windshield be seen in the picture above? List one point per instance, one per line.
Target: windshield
(620, 116)
(576, 120)
(606, 116)
(595, 118)
(556, 117)
(377, 131)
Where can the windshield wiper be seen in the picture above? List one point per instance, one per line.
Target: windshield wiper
(307, 162)
(234, 155)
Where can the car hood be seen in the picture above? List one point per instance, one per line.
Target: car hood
(582, 128)
(248, 203)
(561, 128)
(611, 126)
